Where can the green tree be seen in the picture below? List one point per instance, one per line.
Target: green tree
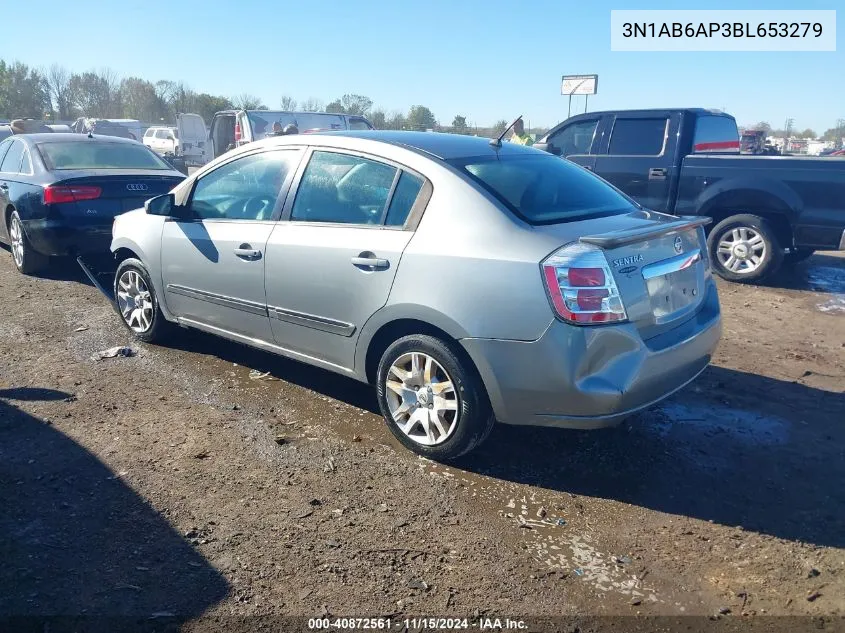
(287, 103)
(208, 105)
(23, 92)
(140, 100)
(378, 119)
(335, 107)
(356, 104)
(420, 118)
(459, 125)
(96, 94)
(396, 121)
(807, 133)
(499, 127)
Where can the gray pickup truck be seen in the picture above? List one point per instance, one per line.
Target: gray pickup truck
(766, 210)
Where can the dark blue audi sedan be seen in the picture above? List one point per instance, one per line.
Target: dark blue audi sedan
(59, 193)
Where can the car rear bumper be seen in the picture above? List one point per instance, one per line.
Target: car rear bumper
(592, 377)
(56, 238)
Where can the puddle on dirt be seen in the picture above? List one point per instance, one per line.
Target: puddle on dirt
(829, 280)
(747, 427)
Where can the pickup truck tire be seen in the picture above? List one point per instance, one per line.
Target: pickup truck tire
(744, 247)
(796, 256)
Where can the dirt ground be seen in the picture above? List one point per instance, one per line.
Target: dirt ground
(181, 483)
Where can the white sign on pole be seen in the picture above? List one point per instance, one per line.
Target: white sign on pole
(579, 84)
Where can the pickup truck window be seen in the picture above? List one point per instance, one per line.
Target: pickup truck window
(544, 189)
(638, 137)
(576, 138)
(715, 134)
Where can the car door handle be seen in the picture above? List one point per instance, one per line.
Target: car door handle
(247, 252)
(370, 263)
(4, 186)
(657, 173)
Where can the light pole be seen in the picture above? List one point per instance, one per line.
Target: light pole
(787, 130)
(840, 132)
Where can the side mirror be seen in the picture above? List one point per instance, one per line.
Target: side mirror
(161, 205)
(548, 147)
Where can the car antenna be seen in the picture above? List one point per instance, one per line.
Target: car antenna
(497, 142)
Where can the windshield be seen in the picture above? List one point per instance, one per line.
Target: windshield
(85, 154)
(543, 189)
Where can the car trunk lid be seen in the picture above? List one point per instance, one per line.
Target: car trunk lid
(658, 262)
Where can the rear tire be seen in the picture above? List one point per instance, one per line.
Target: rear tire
(136, 302)
(432, 398)
(27, 259)
(744, 248)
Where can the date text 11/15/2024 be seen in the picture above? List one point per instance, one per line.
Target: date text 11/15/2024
(416, 624)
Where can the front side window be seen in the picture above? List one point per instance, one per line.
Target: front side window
(93, 154)
(161, 134)
(4, 147)
(576, 138)
(359, 124)
(149, 133)
(26, 163)
(343, 189)
(638, 137)
(244, 189)
(12, 161)
(544, 189)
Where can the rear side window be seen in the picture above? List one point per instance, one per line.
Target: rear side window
(359, 124)
(715, 134)
(404, 196)
(343, 189)
(12, 161)
(161, 133)
(88, 154)
(544, 189)
(638, 137)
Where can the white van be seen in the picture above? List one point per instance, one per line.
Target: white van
(232, 128)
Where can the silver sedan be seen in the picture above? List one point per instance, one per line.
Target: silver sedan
(468, 281)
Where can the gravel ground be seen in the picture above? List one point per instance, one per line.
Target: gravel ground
(182, 482)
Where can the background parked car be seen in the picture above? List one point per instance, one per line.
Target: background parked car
(465, 281)
(162, 140)
(767, 210)
(60, 192)
(108, 127)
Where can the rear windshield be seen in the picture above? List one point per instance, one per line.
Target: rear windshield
(86, 154)
(544, 189)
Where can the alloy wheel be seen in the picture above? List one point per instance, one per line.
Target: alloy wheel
(135, 301)
(742, 250)
(16, 238)
(422, 399)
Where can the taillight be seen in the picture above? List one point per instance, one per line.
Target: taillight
(581, 286)
(58, 195)
(237, 132)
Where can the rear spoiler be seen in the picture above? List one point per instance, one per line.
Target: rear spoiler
(614, 239)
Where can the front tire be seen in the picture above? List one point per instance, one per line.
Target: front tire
(27, 259)
(432, 398)
(744, 248)
(136, 302)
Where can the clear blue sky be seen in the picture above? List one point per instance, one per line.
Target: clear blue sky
(486, 60)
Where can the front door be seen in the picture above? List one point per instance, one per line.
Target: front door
(331, 265)
(213, 257)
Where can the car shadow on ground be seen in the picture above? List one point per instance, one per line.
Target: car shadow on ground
(59, 269)
(773, 463)
(80, 549)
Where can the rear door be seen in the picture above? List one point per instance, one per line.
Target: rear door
(222, 134)
(331, 265)
(213, 257)
(639, 158)
(193, 138)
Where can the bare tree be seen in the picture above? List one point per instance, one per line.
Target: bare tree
(245, 101)
(58, 82)
(287, 103)
(312, 105)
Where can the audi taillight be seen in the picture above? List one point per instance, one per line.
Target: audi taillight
(581, 287)
(237, 132)
(58, 195)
